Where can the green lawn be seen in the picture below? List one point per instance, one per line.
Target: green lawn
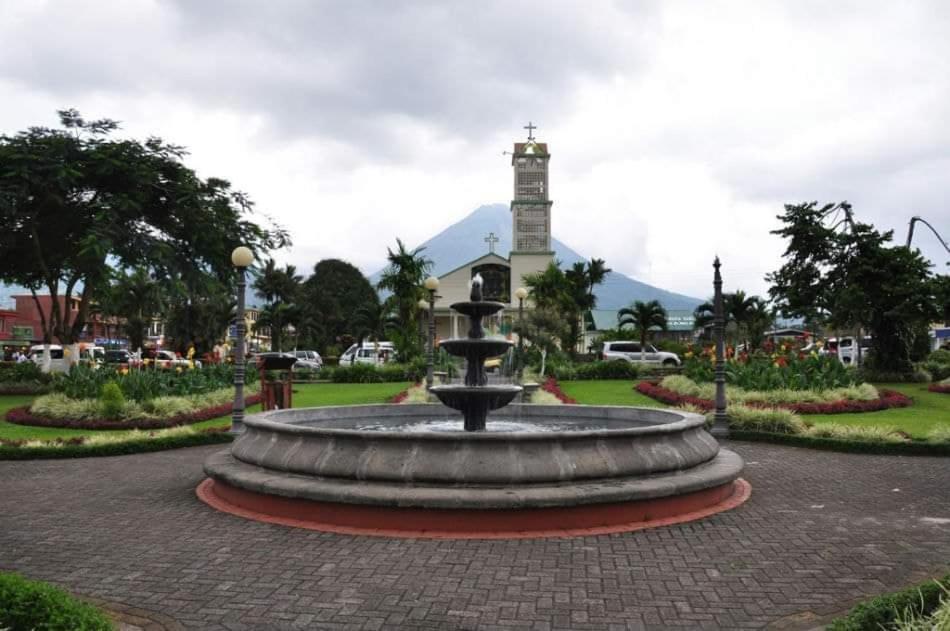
(306, 395)
(607, 392)
(930, 409)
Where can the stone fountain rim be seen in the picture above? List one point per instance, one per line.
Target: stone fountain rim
(263, 421)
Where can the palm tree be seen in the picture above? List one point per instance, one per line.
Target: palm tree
(759, 319)
(137, 298)
(279, 289)
(404, 276)
(643, 316)
(597, 271)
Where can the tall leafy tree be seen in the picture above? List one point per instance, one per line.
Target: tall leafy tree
(857, 278)
(330, 300)
(644, 316)
(74, 202)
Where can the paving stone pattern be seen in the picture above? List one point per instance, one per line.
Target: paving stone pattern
(821, 531)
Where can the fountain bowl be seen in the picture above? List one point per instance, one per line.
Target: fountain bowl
(409, 470)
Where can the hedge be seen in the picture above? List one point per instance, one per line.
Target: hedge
(23, 416)
(888, 399)
(911, 448)
(73, 448)
(26, 604)
(882, 612)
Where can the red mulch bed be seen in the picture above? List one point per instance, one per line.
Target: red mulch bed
(941, 388)
(551, 385)
(23, 416)
(402, 396)
(888, 399)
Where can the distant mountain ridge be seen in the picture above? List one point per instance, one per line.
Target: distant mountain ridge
(463, 242)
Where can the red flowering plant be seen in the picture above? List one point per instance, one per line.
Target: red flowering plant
(772, 367)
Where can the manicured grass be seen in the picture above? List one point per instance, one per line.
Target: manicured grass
(306, 395)
(930, 410)
(608, 392)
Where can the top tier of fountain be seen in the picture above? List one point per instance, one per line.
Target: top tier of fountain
(475, 398)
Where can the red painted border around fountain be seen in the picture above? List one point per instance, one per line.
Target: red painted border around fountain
(422, 523)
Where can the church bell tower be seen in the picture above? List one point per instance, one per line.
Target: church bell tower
(531, 249)
(531, 205)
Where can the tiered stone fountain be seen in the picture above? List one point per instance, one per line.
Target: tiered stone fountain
(538, 470)
(475, 399)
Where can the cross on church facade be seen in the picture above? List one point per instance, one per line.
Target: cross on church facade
(491, 240)
(530, 127)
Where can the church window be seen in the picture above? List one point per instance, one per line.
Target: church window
(496, 281)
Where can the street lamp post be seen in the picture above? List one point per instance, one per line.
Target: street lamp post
(431, 285)
(521, 293)
(720, 418)
(423, 305)
(242, 258)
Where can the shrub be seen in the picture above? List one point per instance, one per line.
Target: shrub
(790, 370)
(939, 435)
(869, 433)
(26, 604)
(565, 371)
(22, 372)
(883, 612)
(83, 382)
(774, 420)
(111, 400)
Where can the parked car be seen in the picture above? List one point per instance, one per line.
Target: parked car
(168, 359)
(368, 353)
(120, 356)
(57, 357)
(847, 350)
(308, 360)
(632, 352)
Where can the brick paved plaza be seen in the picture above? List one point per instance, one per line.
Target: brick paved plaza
(821, 531)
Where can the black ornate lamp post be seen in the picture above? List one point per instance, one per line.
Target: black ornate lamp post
(242, 258)
(720, 419)
(431, 285)
(521, 293)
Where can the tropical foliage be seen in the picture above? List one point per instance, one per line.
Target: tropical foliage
(403, 277)
(82, 382)
(75, 203)
(644, 317)
(852, 277)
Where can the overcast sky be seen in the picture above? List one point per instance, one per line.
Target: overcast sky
(677, 129)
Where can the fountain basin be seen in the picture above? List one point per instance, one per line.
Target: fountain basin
(410, 470)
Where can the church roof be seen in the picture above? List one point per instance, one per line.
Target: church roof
(485, 258)
(538, 148)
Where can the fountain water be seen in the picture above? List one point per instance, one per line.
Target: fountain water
(407, 470)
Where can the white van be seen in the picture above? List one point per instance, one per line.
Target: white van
(368, 353)
(57, 362)
(847, 350)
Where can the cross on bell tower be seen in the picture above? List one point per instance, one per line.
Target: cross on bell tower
(491, 240)
(530, 127)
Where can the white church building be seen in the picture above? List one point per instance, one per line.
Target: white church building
(531, 247)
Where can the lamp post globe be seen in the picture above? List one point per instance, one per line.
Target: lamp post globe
(521, 293)
(242, 258)
(432, 283)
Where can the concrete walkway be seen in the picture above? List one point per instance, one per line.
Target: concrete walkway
(821, 531)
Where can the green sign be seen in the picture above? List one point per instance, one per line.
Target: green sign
(22, 332)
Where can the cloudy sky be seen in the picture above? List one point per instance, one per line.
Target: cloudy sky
(678, 129)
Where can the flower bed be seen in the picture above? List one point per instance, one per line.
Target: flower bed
(113, 444)
(23, 416)
(551, 386)
(887, 399)
(943, 388)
